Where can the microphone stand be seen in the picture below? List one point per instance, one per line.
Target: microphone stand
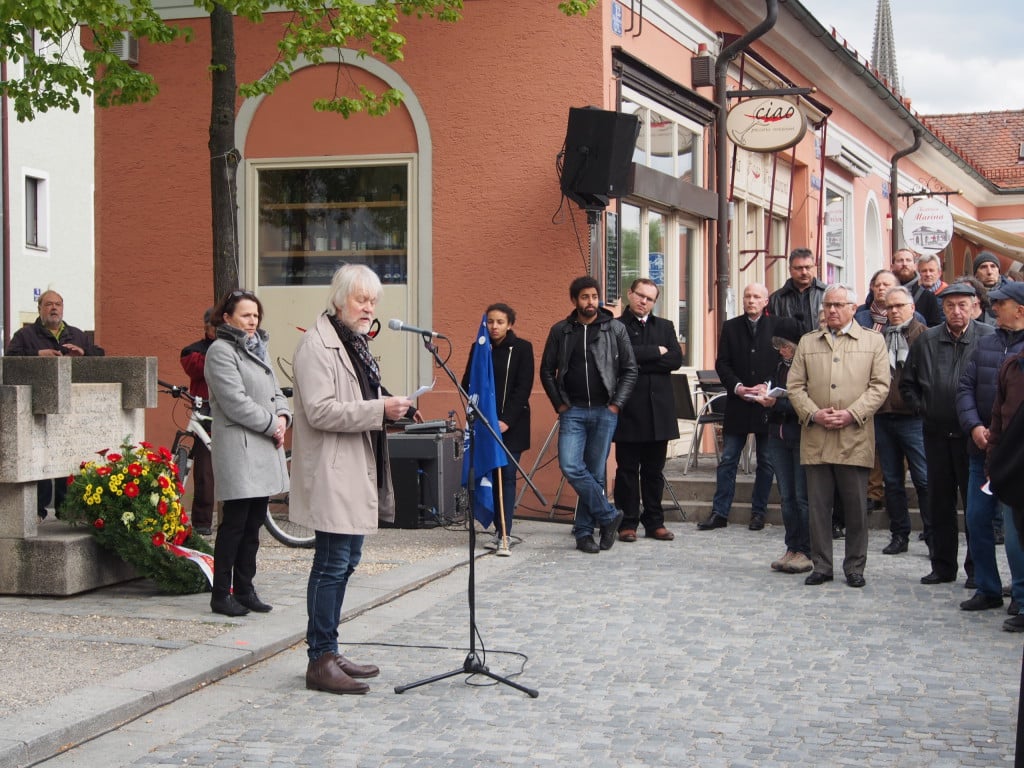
(473, 663)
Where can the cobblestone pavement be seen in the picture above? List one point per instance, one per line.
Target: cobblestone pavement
(690, 653)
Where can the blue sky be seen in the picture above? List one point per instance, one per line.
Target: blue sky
(953, 56)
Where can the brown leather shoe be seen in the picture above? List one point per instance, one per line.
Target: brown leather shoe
(661, 534)
(352, 669)
(627, 534)
(324, 674)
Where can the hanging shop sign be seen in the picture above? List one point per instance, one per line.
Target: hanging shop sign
(927, 226)
(765, 124)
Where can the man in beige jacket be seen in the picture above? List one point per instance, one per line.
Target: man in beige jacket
(839, 378)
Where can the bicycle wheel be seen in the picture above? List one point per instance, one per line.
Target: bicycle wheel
(281, 527)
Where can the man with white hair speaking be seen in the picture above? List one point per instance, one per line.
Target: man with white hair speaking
(839, 378)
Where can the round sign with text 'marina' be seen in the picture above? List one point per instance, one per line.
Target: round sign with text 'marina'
(927, 226)
(765, 124)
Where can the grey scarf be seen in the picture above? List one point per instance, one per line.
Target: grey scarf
(896, 341)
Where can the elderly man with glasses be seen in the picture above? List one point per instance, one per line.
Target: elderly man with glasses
(839, 379)
(898, 432)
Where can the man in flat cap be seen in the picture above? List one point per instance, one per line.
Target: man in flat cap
(930, 377)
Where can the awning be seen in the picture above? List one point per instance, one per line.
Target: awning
(987, 236)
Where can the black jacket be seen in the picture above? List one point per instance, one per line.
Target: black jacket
(926, 303)
(932, 374)
(513, 382)
(612, 352)
(749, 360)
(650, 412)
(27, 341)
(789, 302)
(976, 392)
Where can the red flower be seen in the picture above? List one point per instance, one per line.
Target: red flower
(146, 444)
(163, 482)
(114, 457)
(131, 490)
(181, 489)
(161, 507)
(102, 471)
(184, 518)
(181, 537)
(158, 540)
(135, 469)
(103, 452)
(152, 457)
(165, 453)
(71, 479)
(98, 524)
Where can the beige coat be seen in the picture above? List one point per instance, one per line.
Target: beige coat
(849, 372)
(334, 473)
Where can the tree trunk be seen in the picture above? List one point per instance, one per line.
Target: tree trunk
(224, 156)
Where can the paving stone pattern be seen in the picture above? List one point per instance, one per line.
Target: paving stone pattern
(690, 653)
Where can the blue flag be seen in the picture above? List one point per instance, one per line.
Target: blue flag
(488, 454)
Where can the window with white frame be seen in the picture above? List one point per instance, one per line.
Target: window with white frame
(837, 234)
(35, 212)
(667, 142)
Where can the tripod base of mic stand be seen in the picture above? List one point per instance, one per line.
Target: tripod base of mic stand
(471, 666)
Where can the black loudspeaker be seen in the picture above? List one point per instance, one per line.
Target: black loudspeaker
(598, 155)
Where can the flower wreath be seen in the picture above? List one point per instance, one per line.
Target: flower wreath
(132, 502)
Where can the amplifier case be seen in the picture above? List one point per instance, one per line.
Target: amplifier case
(426, 471)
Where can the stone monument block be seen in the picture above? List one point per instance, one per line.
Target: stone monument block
(58, 412)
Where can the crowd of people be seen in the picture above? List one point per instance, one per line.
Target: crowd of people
(911, 378)
(841, 397)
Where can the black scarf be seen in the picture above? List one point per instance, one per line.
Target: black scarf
(357, 344)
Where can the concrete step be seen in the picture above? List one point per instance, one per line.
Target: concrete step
(696, 489)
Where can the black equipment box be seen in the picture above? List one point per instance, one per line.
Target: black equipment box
(426, 471)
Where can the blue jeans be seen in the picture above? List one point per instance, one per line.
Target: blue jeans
(334, 559)
(982, 511)
(785, 459)
(896, 438)
(725, 480)
(584, 440)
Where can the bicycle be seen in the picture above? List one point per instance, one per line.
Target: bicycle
(277, 521)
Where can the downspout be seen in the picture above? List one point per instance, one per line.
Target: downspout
(721, 166)
(894, 200)
(5, 212)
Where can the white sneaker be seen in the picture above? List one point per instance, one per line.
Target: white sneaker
(503, 550)
(493, 542)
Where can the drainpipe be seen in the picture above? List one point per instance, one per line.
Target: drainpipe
(721, 69)
(5, 213)
(894, 201)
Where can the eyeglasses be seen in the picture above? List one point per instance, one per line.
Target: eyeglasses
(644, 298)
(836, 304)
(243, 294)
(896, 306)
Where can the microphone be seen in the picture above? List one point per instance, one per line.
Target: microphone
(397, 325)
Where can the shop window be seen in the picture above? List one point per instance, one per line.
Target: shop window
(837, 238)
(667, 142)
(314, 219)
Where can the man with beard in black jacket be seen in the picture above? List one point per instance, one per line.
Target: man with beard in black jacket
(648, 421)
(588, 371)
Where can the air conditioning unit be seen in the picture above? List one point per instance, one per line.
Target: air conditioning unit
(126, 48)
(846, 158)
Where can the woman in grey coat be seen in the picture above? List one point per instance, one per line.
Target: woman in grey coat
(250, 415)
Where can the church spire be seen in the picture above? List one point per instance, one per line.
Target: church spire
(883, 49)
